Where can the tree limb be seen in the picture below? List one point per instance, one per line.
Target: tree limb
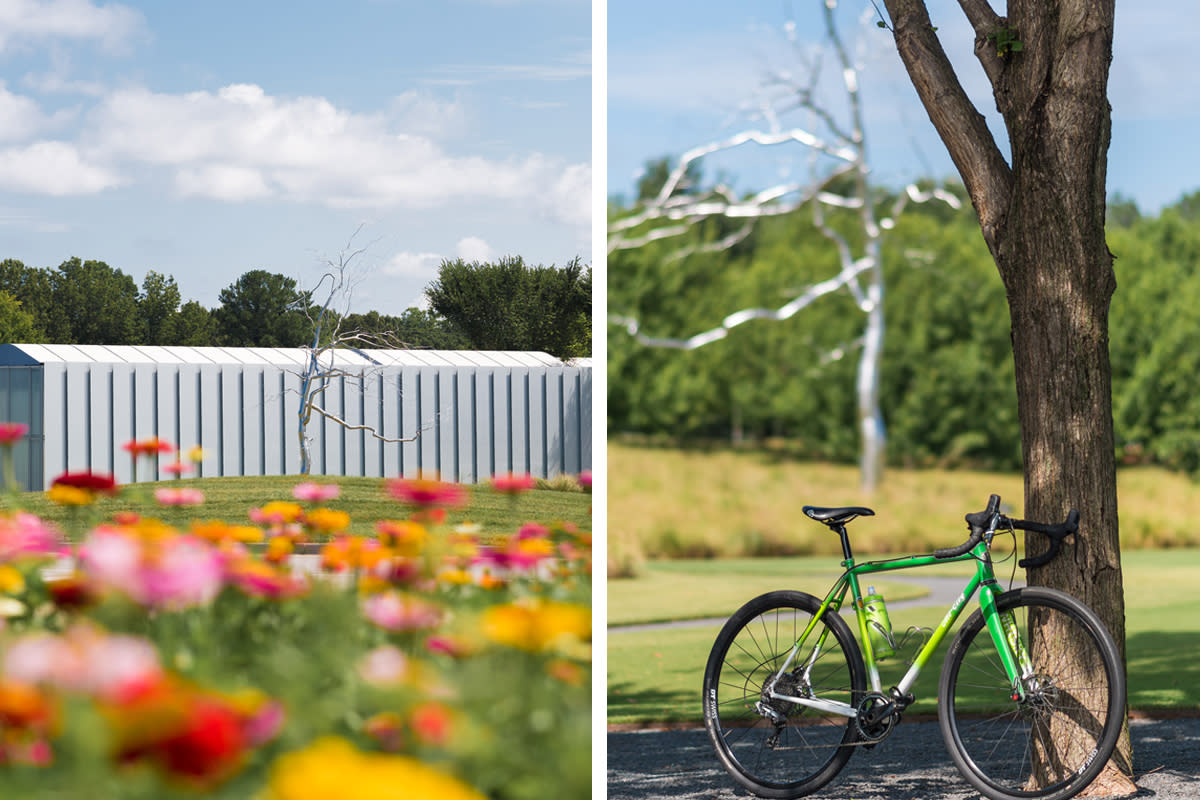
(986, 174)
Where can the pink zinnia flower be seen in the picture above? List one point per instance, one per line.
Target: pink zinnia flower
(12, 432)
(585, 479)
(24, 534)
(184, 571)
(84, 659)
(513, 484)
(176, 468)
(179, 497)
(396, 612)
(187, 572)
(316, 492)
(426, 493)
(384, 665)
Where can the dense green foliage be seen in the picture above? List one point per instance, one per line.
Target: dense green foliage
(89, 302)
(508, 305)
(948, 393)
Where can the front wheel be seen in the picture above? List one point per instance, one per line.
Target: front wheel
(1055, 741)
(773, 747)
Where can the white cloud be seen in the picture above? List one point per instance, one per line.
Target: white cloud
(569, 199)
(303, 149)
(473, 248)
(20, 117)
(222, 182)
(53, 168)
(25, 22)
(420, 265)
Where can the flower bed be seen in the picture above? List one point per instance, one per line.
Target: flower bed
(141, 659)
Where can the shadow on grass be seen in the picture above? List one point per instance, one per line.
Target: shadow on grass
(1163, 671)
(627, 701)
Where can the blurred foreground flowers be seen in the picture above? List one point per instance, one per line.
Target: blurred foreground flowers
(432, 659)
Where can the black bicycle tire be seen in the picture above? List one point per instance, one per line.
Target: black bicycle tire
(744, 616)
(1115, 712)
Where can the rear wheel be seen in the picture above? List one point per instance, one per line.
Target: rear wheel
(776, 748)
(1053, 743)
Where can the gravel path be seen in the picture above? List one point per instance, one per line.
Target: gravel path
(911, 764)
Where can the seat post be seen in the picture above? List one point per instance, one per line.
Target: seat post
(845, 537)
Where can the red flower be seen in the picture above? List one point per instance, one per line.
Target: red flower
(12, 432)
(513, 484)
(148, 447)
(426, 493)
(96, 482)
(210, 745)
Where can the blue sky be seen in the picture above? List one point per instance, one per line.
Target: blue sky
(203, 140)
(681, 74)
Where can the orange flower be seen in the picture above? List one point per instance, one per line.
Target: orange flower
(432, 722)
(148, 447)
(216, 531)
(278, 549)
(567, 671)
(277, 512)
(25, 707)
(327, 521)
(387, 728)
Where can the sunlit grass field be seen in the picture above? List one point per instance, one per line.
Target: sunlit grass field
(671, 503)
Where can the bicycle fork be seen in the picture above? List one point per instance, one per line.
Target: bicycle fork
(1010, 646)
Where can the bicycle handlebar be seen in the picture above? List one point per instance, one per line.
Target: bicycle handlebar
(986, 521)
(1056, 534)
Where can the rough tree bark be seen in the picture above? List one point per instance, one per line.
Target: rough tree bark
(1042, 216)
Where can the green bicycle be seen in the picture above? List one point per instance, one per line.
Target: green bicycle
(789, 695)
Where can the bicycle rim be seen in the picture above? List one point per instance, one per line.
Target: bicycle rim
(772, 747)
(1052, 744)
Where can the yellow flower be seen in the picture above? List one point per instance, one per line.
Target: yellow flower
(70, 495)
(326, 520)
(332, 767)
(11, 580)
(215, 530)
(405, 538)
(459, 577)
(539, 625)
(277, 512)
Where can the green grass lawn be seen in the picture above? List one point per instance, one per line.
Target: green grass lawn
(230, 499)
(655, 676)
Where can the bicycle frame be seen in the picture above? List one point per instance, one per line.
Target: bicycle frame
(1012, 651)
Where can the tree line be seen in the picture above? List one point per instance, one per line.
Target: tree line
(502, 305)
(948, 386)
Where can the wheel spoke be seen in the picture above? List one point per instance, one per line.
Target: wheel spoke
(1054, 741)
(769, 744)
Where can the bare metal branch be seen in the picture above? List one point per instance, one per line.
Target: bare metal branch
(369, 429)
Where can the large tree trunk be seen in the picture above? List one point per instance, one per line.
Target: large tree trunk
(1043, 220)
